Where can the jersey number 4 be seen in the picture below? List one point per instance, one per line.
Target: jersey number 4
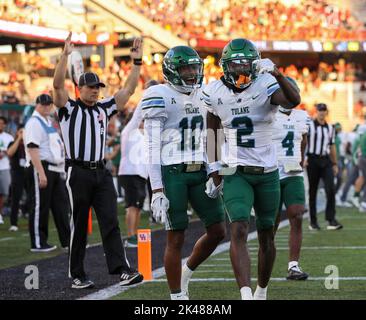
(288, 143)
(190, 134)
(244, 127)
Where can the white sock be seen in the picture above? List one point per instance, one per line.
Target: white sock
(293, 264)
(260, 293)
(186, 276)
(246, 293)
(178, 296)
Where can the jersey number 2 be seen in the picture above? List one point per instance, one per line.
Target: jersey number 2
(238, 123)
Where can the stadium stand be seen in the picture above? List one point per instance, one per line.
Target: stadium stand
(293, 20)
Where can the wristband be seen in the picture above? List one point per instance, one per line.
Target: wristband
(137, 62)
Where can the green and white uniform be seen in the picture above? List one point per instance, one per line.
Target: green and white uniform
(288, 131)
(175, 123)
(247, 118)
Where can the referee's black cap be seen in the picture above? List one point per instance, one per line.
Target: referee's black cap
(90, 79)
(44, 99)
(321, 107)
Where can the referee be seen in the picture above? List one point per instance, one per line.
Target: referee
(44, 175)
(322, 164)
(83, 124)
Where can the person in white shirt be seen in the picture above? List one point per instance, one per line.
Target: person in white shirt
(45, 174)
(132, 174)
(5, 140)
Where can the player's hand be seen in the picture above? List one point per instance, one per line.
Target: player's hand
(20, 133)
(68, 45)
(214, 185)
(42, 180)
(335, 170)
(159, 206)
(266, 65)
(136, 50)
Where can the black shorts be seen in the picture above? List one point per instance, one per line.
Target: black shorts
(134, 187)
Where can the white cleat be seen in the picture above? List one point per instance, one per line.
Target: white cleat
(260, 293)
(355, 201)
(345, 204)
(362, 207)
(179, 296)
(246, 293)
(13, 228)
(1, 219)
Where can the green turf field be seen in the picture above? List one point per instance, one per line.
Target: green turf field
(345, 249)
(14, 246)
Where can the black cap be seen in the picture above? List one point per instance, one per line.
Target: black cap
(44, 99)
(90, 79)
(321, 107)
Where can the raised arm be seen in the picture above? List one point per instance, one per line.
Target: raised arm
(60, 95)
(128, 90)
(14, 147)
(288, 96)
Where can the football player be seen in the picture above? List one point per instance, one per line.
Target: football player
(244, 102)
(174, 125)
(290, 138)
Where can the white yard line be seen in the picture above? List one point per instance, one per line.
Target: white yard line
(7, 239)
(116, 289)
(228, 258)
(272, 279)
(323, 248)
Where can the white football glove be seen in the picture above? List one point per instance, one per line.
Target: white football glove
(212, 190)
(159, 206)
(264, 65)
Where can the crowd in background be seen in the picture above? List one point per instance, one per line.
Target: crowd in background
(22, 11)
(293, 20)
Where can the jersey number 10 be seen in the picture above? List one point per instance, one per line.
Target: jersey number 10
(190, 137)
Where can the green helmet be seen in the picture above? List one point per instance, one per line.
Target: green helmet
(183, 68)
(237, 62)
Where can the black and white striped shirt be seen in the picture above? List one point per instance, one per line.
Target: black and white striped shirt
(320, 138)
(84, 128)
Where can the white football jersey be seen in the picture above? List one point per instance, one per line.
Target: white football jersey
(184, 123)
(247, 119)
(287, 136)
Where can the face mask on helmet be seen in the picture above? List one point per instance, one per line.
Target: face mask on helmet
(240, 72)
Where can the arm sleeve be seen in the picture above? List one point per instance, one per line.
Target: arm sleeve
(135, 121)
(154, 114)
(109, 105)
(306, 122)
(332, 136)
(153, 131)
(271, 84)
(32, 134)
(207, 103)
(153, 104)
(65, 111)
